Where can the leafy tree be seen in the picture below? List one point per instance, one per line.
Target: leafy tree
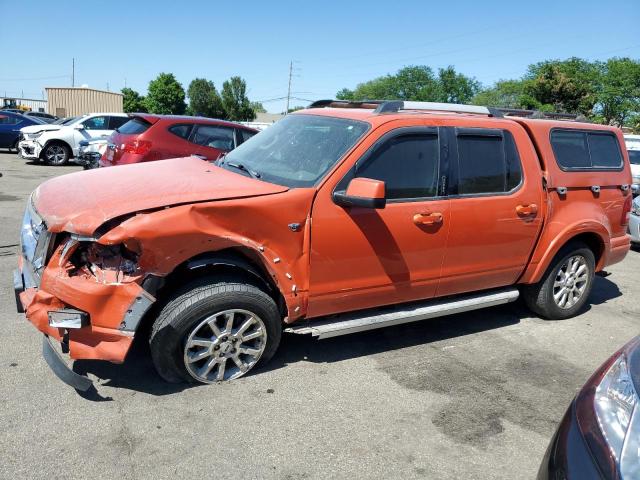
(235, 101)
(132, 101)
(204, 99)
(345, 94)
(507, 94)
(166, 95)
(258, 107)
(619, 94)
(564, 85)
(453, 87)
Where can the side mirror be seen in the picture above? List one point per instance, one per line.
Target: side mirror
(362, 192)
(78, 126)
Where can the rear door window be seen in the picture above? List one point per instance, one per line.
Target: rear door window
(182, 130)
(586, 150)
(634, 157)
(488, 161)
(213, 136)
(7, 120)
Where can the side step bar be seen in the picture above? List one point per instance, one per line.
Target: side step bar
(370, 319)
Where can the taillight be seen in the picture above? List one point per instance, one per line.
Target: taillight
(138, 147)
(626, 211)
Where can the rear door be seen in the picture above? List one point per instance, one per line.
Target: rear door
(9, 130)
(496, 199)
(212, 140)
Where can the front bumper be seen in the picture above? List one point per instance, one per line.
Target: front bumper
(108, 313)
(29, 149)
(61, 369)
(634, 228)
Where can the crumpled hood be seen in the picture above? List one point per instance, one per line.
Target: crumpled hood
(40, 128)
(80, 202)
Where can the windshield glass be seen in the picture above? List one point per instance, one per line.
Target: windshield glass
(634, 157)
(296, 151)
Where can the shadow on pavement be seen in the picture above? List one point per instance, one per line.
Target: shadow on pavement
(137, 372)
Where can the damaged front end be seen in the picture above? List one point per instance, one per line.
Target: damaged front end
(85, 295)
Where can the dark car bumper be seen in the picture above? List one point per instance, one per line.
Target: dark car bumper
(568, 456)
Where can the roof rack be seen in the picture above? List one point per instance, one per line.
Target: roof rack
(537, 114)
(394, 106)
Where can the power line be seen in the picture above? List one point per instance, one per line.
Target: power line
(33, 78)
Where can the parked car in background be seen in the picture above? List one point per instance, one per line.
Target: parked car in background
(633, 148)
(57, 144)
(344, 217)
(599, 435)
(147, 137)
(91, 151)
(42, 116)
(634, 221)
(10, 125)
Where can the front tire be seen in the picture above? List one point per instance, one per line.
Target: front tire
(213, 331)
(565, 287)
(56, 154)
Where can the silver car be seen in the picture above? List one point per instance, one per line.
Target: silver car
(634, 221)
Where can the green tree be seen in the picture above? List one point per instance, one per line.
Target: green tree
(258, 107)
(166, 95)
(204, 99)
(454, 87)
(618, 98)
(507, 94)
(564, 85)
(132, 101)
(235, 101)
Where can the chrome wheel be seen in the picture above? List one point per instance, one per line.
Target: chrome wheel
(571, 281)
(56, 154)
(225, 346)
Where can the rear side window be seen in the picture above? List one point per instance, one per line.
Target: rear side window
(488, 162)
(181, 131)
(213, 136)
(7, 120)
(634, 157)
(580, 150)
(134, 126)
(117, 122)
(246, 134)
(407, 164)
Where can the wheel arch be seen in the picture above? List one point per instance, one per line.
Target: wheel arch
(233, 262)
(60, 141)
(594, 235)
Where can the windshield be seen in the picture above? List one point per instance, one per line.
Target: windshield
(634, 157)
(296, 151)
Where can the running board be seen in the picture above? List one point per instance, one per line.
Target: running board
(368, 320)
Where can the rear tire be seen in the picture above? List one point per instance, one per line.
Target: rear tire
(214, 330)
(56, 153)
(565, 287)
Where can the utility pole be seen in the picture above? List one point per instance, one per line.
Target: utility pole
(73, 72)
(289, 89)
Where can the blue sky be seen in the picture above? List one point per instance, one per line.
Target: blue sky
(334, 44)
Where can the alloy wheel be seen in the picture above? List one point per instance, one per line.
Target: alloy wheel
(55, 154)
(224, 346)
(571, 281)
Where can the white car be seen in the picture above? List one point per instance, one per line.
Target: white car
(633, 148)
(56, 144)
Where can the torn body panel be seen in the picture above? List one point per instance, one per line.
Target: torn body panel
(257, 226)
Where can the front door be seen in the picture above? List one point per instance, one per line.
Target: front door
(363, 258)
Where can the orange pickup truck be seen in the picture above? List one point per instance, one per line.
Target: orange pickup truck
(340, 218)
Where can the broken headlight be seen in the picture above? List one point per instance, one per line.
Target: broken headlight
(105, 263)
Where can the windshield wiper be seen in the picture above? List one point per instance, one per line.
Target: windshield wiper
(240, 166)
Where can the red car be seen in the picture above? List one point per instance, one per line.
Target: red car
(147, 137)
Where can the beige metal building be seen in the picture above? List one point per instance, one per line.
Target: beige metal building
(72, 101)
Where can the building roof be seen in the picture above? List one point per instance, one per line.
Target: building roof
(83, 88)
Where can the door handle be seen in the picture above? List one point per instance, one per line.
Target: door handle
(427, 218)
(526, 210)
